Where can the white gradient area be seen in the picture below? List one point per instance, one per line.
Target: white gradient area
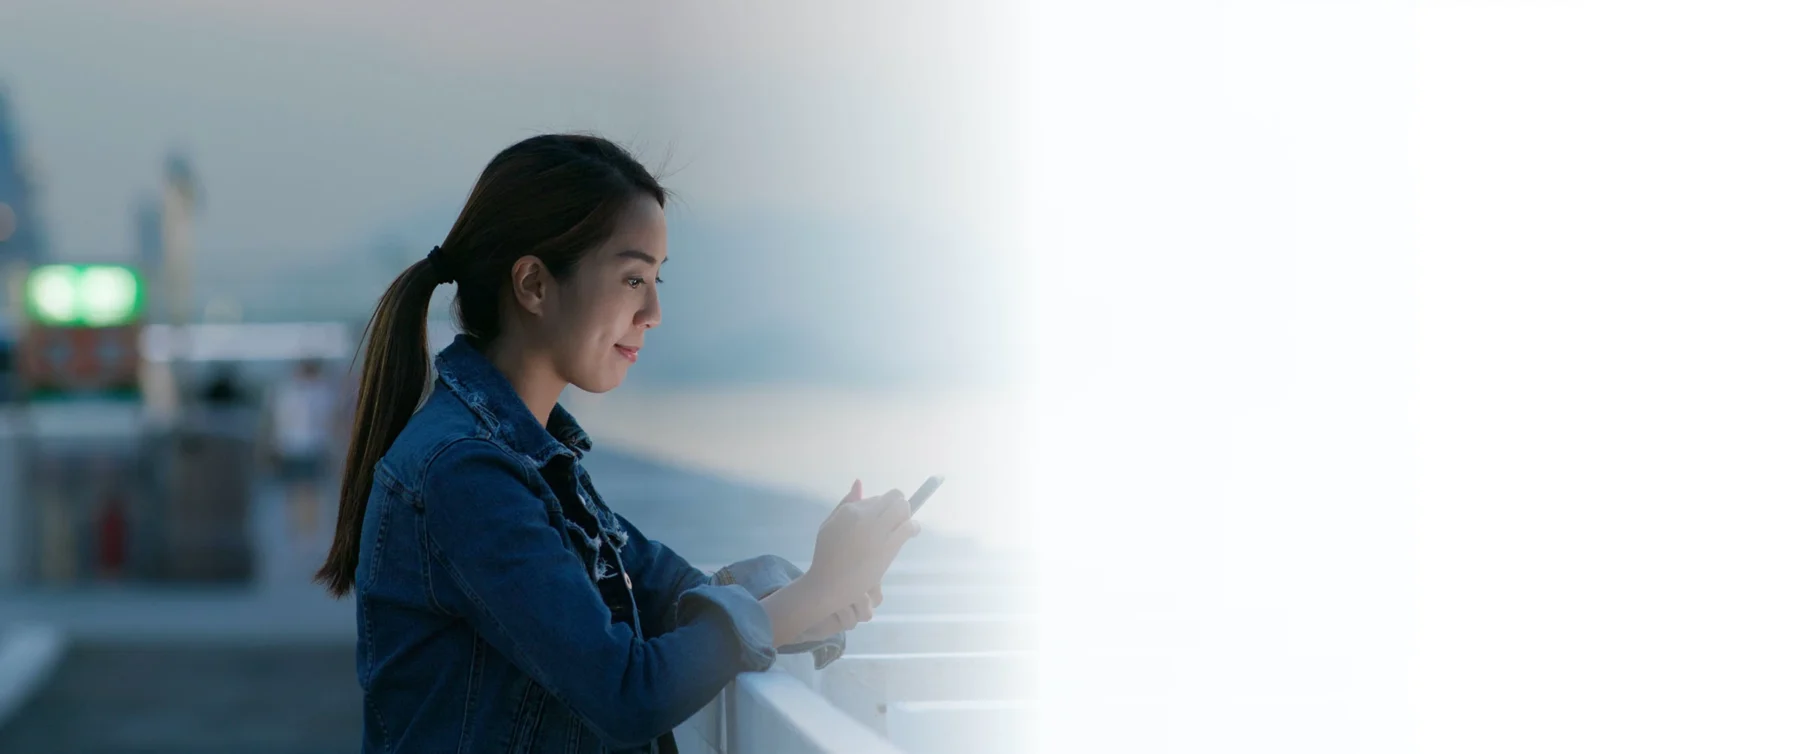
(1608, 411)
(1415, 377)
(1224, 315)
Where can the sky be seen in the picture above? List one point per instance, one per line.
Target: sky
(866, 150)
(325, 120)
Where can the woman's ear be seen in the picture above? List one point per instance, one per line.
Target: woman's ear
(530, 284)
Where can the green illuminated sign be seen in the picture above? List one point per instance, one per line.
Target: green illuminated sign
(95, 295)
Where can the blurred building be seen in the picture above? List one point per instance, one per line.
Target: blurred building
(21, 232)
(148, 227)
(22, 242)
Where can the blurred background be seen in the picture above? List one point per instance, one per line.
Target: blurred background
(1368, 375)
(200, 203)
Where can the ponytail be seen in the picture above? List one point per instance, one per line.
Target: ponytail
(396, 363)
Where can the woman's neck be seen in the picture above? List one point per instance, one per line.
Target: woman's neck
(531, 376)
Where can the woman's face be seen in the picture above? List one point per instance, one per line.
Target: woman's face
(597, 318)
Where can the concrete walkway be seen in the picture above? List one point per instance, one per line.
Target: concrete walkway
(194, 699)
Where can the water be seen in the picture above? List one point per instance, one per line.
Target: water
(815, 440)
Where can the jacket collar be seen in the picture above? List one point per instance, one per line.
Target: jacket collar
(472, 378)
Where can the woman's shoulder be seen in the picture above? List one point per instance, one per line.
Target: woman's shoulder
(442, 427)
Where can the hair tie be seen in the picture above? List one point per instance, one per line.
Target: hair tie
(440, 264)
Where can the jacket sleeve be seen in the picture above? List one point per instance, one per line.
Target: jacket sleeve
(766, 573)
(505, 569)
(663, 576)
(660, 576)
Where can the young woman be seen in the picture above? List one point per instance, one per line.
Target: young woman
(501, 606)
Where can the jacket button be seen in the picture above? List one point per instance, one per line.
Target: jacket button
(627, 578)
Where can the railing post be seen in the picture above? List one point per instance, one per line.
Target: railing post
(726, 700)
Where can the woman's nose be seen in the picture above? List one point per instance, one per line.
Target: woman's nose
(651, 315)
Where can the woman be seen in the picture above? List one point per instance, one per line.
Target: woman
(501, 606)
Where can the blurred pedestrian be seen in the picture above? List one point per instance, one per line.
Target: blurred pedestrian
(301, 414)
(223, 389)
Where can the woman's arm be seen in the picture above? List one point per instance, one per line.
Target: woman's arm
(661, 576)
(795, 608)
(496, 560)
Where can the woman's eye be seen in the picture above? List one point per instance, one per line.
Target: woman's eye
(634, 282)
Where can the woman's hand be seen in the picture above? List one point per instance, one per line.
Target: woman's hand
(856, 613)
(857, 543)
(841, 588)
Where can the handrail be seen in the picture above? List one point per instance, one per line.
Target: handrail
(27, 655)
(776, 713)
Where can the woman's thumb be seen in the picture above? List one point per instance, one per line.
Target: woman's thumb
(855, 492)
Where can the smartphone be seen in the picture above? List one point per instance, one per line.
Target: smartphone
(925, 490)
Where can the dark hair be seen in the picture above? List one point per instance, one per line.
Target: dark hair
(554, 197)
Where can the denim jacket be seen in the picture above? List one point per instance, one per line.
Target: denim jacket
(502, 607)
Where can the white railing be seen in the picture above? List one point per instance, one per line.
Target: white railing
(257, 341)
(960, 726)
(931, 674)
(942, 632)
(776, 713)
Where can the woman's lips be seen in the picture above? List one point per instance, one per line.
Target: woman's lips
(630, 353)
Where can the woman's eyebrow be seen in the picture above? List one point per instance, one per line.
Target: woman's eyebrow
(635, 254)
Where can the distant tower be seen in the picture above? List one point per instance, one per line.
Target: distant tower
(149, 227)
(180, 197)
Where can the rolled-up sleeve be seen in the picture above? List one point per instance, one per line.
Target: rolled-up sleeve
(506, 570)
(763, 575)
(665, 580)
(755, 636)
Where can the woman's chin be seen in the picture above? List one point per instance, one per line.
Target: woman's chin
(607, 379)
